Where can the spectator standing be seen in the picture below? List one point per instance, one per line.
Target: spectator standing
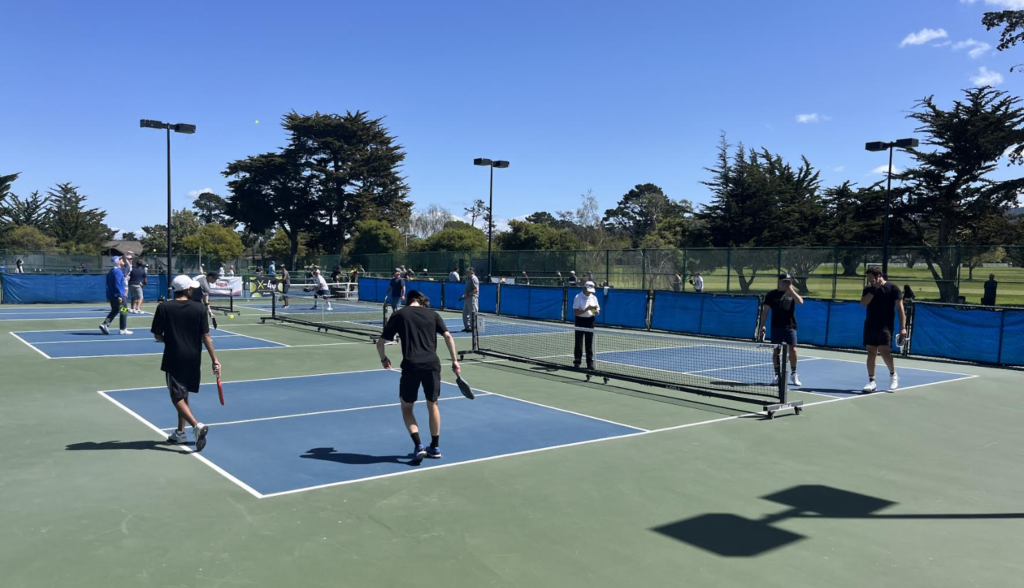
(471, 298)
(137, 279)
(454, 276)
(19, 266)
(989, 299)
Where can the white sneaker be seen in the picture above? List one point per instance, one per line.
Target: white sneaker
(104, 329)
(795, 379)
(125, 332)
(329, 307)
(386, 342)
(775, 381)
(199, 432)
(894, 382)
(177, 437)
(869, 387)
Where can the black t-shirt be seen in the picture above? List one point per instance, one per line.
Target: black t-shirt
(418, 328)
(137, 276)
(882, 308)
(783, 309)
(182, 324)
(990, 289)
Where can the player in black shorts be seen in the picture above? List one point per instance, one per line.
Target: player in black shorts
(883, 300)
(417, 327)
(782, 302)
(182, 325)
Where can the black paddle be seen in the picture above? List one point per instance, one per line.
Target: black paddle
(464, 388)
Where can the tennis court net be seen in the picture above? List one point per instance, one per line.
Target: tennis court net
(737, 371)
(353, 317)
(222, 303)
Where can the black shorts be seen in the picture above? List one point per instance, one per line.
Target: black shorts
(409, 386)
(877, 336)
(178, 390)
(783, 335)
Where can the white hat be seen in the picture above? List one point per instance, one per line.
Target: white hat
(182, 283)
(589, 286)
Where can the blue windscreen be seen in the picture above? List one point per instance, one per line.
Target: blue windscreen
(678, 312)
(428, 288)
(1012, 352)
(622, 308)
(372, 289)
(846, 325)
(488, 298)
(515, 300)
(68, 288)
(729, 316)
(535, 302)
(811, 321)
(957, 333)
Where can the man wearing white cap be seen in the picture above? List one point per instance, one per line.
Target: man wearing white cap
(182, 325)
(117, 290)
(586, 309)
(320, 290)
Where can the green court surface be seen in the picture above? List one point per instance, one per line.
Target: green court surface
(917, 488)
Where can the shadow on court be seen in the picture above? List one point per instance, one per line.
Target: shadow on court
(735, 536)
(122, 445)
(329, 454)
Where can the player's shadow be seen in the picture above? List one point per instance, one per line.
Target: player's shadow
(329, 454)
(731, 535)
(123, 445)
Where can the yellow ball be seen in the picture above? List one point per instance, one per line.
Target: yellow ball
(231, 316)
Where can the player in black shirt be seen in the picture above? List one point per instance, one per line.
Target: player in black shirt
(417, 327)
(782, 303)
(182, 326)
(883, 300)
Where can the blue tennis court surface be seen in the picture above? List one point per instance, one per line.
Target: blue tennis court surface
(39, 313)
(92, 343)
(289, 434)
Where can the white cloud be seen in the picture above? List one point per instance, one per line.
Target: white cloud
(974, 48)
(882, 168)
(987, 77)
(840, 168)
(1011, 4)
(924, 36)
(942, 44)
(193, 194)
(808, 118)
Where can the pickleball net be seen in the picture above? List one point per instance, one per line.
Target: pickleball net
(349, 316)
(738, 371)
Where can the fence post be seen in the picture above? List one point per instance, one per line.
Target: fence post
(835, 270)
(728, 269)
(643, 270)
(683, 274)
(780, 260)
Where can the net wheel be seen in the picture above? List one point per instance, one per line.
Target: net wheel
(771, 414)
(798, 410)
(605, 380)
(588, 377)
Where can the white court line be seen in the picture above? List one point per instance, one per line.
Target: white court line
(121, 339)
(130, 355)
(319, 412)
(863, 361)
(186, 448)
(251, 337)
(255, 380)
(31, 346)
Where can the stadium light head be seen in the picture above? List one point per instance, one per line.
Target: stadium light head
(907, 143)
(152, 124)
(482, 161)
(876, 146)
(500, 164)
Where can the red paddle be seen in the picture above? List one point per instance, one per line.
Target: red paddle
(220, 390)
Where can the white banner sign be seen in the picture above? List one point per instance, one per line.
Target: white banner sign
(227, 287)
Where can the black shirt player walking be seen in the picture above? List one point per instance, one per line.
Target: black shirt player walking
(182, 325)
(883, 300)
(417, 327)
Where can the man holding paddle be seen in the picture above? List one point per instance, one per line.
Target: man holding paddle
(417, 327)
(883, 300)
(182, 325)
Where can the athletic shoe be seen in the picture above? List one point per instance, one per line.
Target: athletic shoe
(795, 379)
(312, 308)
(775, 381)
(104, 329)
(125, 332)
(329, 307)
(869, 387)
(177, 437)
(420, 453)
(390, 342)
(434, 452)
(285, 306)
(200, 431)
(467, 330)
(894, 382)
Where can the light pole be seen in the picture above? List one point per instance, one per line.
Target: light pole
(177, 128)
(882, 146)
(490, 206)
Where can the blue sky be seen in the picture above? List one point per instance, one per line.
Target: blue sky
(577, 95)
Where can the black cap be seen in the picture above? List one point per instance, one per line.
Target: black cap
(785, 276)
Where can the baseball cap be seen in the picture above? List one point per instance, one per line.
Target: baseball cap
(182, 283)
(785, 276)
(589, 286)
(115, 259)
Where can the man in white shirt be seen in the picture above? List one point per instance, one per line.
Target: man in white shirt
(320, 290)
(586, 309)
(454, 276)
(698, 283)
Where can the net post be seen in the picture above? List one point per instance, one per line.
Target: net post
(783, 373)
(475, 334)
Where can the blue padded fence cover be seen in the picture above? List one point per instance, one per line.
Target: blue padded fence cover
(431, 290)
(956, 333)
(811, 322)
(620, 308)
(488, 298)
(1013, 338)
(678, 312)
(846, 325)
(535, 302)
(369, 289)
(67, 288)
(729, 316)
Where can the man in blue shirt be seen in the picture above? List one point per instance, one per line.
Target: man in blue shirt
(116, 292)
(395, 293)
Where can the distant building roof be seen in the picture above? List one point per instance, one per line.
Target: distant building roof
(122, 247)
